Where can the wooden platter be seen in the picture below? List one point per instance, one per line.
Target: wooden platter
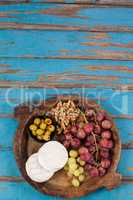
(59, 184)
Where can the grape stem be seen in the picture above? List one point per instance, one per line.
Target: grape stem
(95, 119)
(97, 150)
(86, 121)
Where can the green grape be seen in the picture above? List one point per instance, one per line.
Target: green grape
(75, 182)
(77, 172)
(81, 178)
(73, 153)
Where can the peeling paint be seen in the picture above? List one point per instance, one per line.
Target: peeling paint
(124, 69)
(65, 11)
(10, 71)
(130, 168)
(98, 36)
(108, 44)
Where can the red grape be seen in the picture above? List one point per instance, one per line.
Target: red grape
(75, 142)
(68, 136)
(66, 144)
(90, 139)
(106, 124)
(106, 143)
(102, 171)
(105, 163)
(66, 131)
(94, 172)
(106, 134)
(103, 143)
(91, 161)
(104, 154)
(88, 167)
(87, 143)
(89, 113)
(74, 129)
(81, 134)
(104, 149)
(100, 116)
(110, 144)
(86, 157)
(88, 128)
(92, 149)
(83, 150)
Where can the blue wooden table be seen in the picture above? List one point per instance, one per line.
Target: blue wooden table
(66, 46)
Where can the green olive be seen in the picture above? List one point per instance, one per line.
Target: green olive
(48, 121)
(51, 128)
(37, 121)
(46, 137)
(39, 132)
(33, 127)
(43, 126)
(48, 132)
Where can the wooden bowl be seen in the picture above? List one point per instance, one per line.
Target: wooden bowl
(59, 184)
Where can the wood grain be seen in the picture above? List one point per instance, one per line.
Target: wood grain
(94, 2)
(21, 69)
(114, 2)
(11, 179)
(80, 17)
(61, 27)
(39, 84)
(81, 46)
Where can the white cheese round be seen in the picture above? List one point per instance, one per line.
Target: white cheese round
(52, 156)
(35, 171)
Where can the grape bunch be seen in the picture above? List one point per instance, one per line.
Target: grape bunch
(92, 137)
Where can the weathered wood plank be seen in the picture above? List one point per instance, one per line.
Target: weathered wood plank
(60, 71)
(48, 44)
(114, 2)
(62, 27)
(8, 165)
(65, 17)
(94, 2)
(16, 179)
(8, 129)
(22, 68)
(39, 84)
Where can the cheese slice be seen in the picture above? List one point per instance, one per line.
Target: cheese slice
(35, 171)
(52, 156)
